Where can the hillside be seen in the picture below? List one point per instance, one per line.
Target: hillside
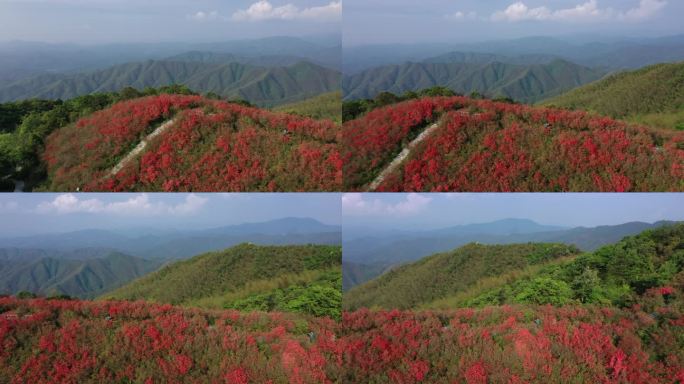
(263, 86)
(484, 275)
(368, 256)
(191, 143)
(652, 95)
(464, 144)
(110, 341)
(46, 273)
(523, 83)
(248, 277)
(327, 106)
(445, 274)
(615, 275)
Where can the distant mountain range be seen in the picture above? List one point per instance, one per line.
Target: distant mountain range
(526, 70)
(611, 54)
(524, 83)
(264, 86)
(20, 59)
(182, 244)
(368, 257)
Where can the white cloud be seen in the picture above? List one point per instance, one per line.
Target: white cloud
(364, 204)
(584, 12)
(646, 10)
(206, 16)
(460, 15)
(264, 10)
(136, 205)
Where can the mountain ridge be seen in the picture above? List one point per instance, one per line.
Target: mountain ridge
(260, 85)
(83, 278)
(525, 83)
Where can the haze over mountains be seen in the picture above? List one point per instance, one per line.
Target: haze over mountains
(39, 58)
(91, 262)
(366, 257)
(177, 244)
(616, 53)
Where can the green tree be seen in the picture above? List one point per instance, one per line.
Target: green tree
(587, 285)
(26, 295)
(437, 91)
(319, 301)
(544, 290)
(129, 93)
(386, 98)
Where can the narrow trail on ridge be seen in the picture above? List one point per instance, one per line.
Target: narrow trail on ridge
(401, 157)
(140, 147)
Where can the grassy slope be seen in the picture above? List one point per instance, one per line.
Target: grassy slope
(325, 106)
(445, 274)
(652, 96)
(246, 277)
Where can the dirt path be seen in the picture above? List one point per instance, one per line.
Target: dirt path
(401, 157)
(140, 147)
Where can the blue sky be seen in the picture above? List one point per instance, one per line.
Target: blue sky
(436, 210)
(105, 21)
(25, 214)
(410, 21)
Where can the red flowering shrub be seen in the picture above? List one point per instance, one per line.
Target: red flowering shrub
(514, 345)
(50, 341)
(481, 145)
(210, 146)
(370, 142)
